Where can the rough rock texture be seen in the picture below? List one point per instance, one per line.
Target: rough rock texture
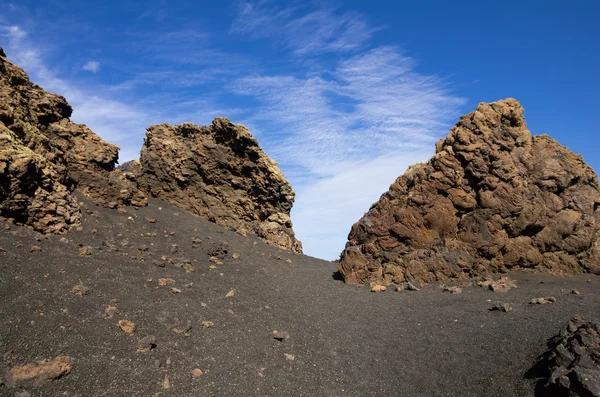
(30, 192)
(60, 152)
(220, 173)
(491, 199)
(39, 374)
(571, 366)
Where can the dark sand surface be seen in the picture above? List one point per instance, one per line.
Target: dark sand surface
(345, 340)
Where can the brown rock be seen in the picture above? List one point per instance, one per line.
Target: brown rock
(196, 373)
(85, 251)
(502, 307)
(493, 198)
(571, 364)
(378, 288)
(452, 290)
(44, 156)
(127, 326)
(146, 344)
(40, 373)
(504, 284)
(36, 248)
(220, 173)
(165, 281)
(81, 290)
(543, 301)
(207, 324)
(281, 335)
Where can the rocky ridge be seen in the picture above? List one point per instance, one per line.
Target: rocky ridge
(493, 198)
(44, 156)
(220, 173)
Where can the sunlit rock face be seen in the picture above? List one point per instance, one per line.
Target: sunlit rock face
(492, 198)
(44, 156)
(220, 173)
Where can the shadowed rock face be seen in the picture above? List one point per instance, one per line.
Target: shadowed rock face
(491, 199)
(220, 173)
(53, 155)
(571, 365)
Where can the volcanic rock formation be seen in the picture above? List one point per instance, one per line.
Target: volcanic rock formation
(44, 156)
(220, 173)
(571, 365)
(493, 198)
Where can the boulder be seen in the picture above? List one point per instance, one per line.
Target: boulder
(493, 198)
(70, 154)
(220, 173)
(570, 367)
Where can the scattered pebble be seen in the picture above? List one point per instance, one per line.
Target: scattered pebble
(235, 256)
(82, 290)
(504, 284)
(85, 251)
(289, 357)
(146, 344)
(216, 260)
(207, 324)
(39, 373)
(165, 383)
(127, 326)
(543, 301)
(575, 292)
(110, 311)
(230, 294)
(502, 307)
(183, 330)
(189, 268)
(378, 288)
(411, 287)
(281, 335)
(36, 248)
(196, 373)
(175, 290)
(165, 281)
(150, 219)
(452, 290)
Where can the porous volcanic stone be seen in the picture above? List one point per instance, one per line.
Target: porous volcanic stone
(492, 198)
(220, 173)
(59, 152)
(571, 365)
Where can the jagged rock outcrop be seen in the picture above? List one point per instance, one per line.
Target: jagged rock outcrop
(571, 365)
(493, 198)
(220, 173)
(30, 191)
(74, 156)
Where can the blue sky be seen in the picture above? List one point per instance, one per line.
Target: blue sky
(345, 95)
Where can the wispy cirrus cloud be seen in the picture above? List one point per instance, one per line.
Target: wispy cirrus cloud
(342, 134)
(118, 120)
(304, 31)
(369, 105)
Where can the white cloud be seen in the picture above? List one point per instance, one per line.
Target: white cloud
(305, 32)
(327, 209)
(13, 32)
(344, 135)
(92, 66)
